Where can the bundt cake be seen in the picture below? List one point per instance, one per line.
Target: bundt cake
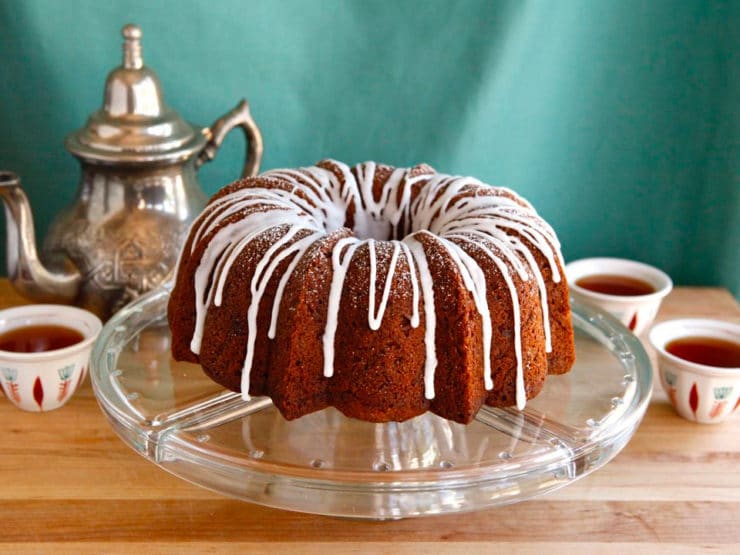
(384, 292)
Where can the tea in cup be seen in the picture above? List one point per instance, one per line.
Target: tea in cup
(44, 353)
(699, 367)
(629, 290)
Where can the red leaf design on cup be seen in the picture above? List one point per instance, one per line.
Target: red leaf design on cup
(736, 404)
(717, 409)
(633, 322)
(14, 394)
(63, 387)
(83, 372)
(38, 392)
(694, 399)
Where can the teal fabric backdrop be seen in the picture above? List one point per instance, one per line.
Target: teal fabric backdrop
(619, 120)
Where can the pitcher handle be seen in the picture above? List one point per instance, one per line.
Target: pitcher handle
(240, 116)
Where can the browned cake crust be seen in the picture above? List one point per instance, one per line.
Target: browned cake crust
(266, 256)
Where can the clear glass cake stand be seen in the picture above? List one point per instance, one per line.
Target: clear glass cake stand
(325, 463)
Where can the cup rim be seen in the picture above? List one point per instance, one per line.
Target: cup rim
(659, 274)
(689, 366)
(73, 314)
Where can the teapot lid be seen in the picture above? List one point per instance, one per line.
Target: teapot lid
(134, 124)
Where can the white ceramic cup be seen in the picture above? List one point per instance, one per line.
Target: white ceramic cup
(636, 312)
(699, 393)
(46, 380)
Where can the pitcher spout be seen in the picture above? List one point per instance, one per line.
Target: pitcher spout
(25, 270)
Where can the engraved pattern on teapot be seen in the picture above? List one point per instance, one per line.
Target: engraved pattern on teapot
(132, 264)
(124, 234)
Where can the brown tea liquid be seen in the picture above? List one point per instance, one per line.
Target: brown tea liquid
(37, 339)
(623, 286)
(710, 351)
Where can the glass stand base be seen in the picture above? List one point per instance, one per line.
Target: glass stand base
(325, 463)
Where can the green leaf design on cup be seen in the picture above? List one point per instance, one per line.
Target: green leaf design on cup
(721, 393)
(66, 371)
(10, 374)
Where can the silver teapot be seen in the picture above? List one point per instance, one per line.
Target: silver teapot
(137, 195)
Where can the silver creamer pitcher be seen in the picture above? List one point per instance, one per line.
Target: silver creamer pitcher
(137, 195)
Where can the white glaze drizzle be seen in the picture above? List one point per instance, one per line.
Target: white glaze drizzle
(450, 210)
(475, 282)
(340, 262)
(430, 315)
(521, 396)
(374, 318)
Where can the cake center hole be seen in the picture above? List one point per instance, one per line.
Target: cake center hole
(369, 227)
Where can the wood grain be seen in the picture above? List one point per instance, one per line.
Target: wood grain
(69, 485)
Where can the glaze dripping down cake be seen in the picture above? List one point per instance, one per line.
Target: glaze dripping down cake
(384, 292)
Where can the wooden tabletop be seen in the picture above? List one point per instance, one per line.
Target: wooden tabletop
(69, 485)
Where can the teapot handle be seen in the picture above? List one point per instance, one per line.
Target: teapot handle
(240, 116)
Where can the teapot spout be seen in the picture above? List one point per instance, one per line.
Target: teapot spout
(25, 270)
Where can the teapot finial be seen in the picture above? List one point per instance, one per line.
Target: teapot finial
(132, 47)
